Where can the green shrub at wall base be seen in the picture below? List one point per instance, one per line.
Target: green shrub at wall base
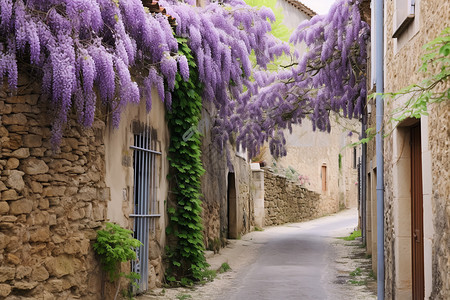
(115, 245)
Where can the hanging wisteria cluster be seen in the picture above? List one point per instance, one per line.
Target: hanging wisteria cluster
(222, 37)
(105, 48)
(330, 76)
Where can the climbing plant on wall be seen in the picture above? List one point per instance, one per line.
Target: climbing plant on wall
(187, 261)
(434, 88)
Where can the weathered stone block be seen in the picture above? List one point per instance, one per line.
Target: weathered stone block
(4, 219)
(40, 235)
(70, 191)
(77, 169)
(10, 195)
(23, 285)
(4, 240)
(2, 187)
(72, 143)
(48, 296)
(76, 214)
(16, 99)
(14, 119)
(23, 272)
(62, 265)
(43, 177)
(38, 152)
(21, 108)
(3, 131)
(5, 108)
(52, 220)
(54, 191)
(12, 163)
(7, 273)
(12, 258)
(99, 213)
(22, 206)
(5, 290)
(4, 207)
(39, 273)
(32, 140)
(21, 153)
(15, 180)
(32, 99)
(33, 166)
(36, 187)
(54, 285)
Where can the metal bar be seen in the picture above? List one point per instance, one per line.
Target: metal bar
(145, 216)
(142, 211)
(135, 263)
(145, 150)
(145, 202)
(152, 185)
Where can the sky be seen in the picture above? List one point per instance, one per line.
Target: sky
(319, 6)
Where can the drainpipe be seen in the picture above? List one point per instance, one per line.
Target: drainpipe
(379, 55)
(363, 177)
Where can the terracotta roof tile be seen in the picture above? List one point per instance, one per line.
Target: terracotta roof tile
(303, 8)
(154, 8)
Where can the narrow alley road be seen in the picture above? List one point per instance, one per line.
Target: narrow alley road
(293, 261)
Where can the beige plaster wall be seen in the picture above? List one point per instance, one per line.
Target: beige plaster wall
(308, 151)
(120, 175)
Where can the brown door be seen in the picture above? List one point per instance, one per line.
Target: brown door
(417, 214)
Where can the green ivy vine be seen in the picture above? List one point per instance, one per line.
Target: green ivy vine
(187, 262)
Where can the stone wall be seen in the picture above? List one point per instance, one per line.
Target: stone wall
(217, 222)
(288, 202)
(51, 203)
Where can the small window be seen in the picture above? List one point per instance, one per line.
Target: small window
(404, 15)
(354, 157)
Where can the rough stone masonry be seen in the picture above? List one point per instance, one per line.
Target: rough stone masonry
(51, 203)
(288, 202)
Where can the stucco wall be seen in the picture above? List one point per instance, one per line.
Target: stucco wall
(120, 174)
(51, 203)
(309, 151)
(292, 15)
(402, 60)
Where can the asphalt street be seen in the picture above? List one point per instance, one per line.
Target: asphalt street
(293, 262)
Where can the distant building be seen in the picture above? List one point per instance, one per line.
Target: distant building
(325, 159)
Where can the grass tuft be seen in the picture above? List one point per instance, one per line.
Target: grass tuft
(355, 234)
(223, 268)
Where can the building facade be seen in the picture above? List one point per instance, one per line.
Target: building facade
(416, 161)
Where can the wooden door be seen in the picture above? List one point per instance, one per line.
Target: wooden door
(417, 214)
(232, 208)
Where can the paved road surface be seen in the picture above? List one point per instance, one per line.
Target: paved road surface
(299, 261)
(293, 263)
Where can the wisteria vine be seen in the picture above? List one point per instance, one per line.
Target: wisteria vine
(330, 76)
(112, 52)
